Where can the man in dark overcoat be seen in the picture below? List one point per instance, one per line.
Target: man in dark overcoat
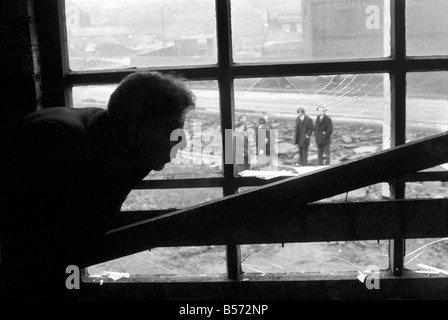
(322, 131)
(304, 129)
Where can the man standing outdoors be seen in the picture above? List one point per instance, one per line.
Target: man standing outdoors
(322, 132)
(304, 129)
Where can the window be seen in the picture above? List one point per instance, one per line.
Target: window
(119, 34)
(262, 60)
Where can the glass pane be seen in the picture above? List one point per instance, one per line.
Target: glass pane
(358, 106)
(376, 192)
(427, 189)
(136, 33)
(164, 199)
(325, 257)
(302, 30)
(426, 104)
(423, 255)
(427, 27)
(206, 260)
(202, 155)
(92, 96)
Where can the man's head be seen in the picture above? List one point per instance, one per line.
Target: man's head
(146, 108)
(300, 110)
(322, 109)
(242, 118)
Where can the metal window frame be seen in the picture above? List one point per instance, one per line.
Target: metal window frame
(58, 81)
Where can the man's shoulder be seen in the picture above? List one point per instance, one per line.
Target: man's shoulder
(61, 117)
(58, 126)
(75, 116)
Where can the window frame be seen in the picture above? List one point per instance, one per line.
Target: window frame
(58, 81)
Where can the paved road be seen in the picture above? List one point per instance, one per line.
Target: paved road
(368, 107)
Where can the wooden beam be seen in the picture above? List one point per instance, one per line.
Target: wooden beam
(343, 221)
(18, 94)
(431, 63)
(114, 76)
(426, 176)
(35, 49)
(180, 183)
(310, 223)
(381, 65)
(199, 72)
(53, 66)
(217, 218)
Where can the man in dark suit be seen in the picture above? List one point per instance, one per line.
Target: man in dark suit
(65, 173)
(304, 129)
(322, 132)
(263, 141)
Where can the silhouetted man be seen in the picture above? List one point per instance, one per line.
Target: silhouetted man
(304, 129)
(66, 172)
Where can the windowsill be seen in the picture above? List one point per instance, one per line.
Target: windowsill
(278, 286)
(291, 276)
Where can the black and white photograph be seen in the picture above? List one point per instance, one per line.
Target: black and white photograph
(223, 158)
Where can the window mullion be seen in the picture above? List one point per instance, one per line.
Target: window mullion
(224, 35)
(398, 117)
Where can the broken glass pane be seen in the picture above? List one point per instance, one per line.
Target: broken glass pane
(357, 104)
(427, 256)
(324, 257)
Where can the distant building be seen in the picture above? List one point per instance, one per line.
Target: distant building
(198, 49)
(337, 28)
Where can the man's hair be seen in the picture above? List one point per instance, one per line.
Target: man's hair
(240, 124)
(148, 96)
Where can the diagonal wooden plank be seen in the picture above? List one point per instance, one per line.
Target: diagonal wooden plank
(423, 218)
(289, 195)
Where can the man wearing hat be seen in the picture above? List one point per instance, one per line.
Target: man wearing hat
(304, 129)
(322, 131)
